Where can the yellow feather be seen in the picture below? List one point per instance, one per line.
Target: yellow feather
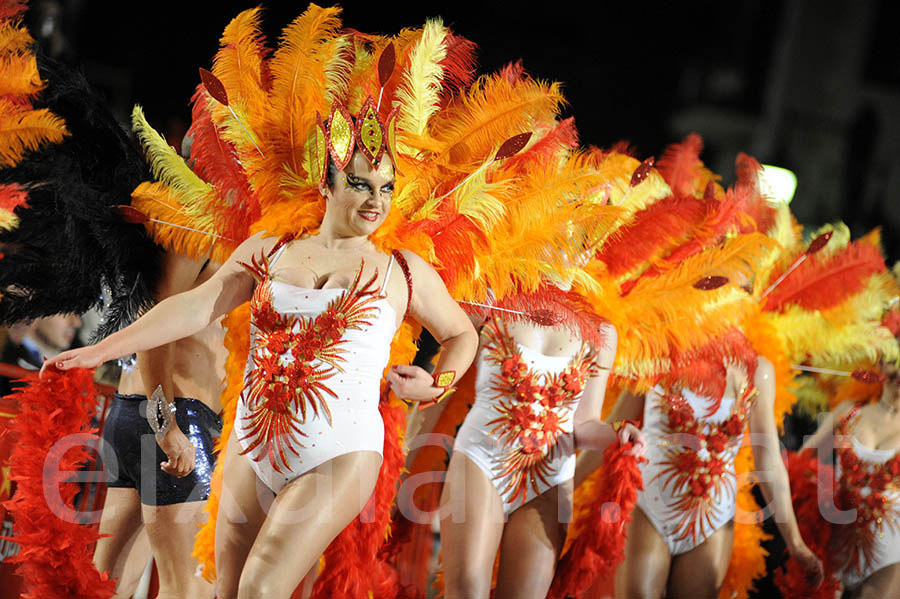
(158, 201)
(167, 166)
(23, 130)
(483, 202)
(337, 69)
(419, 92)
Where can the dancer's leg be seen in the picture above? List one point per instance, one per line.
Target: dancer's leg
(305, 517)
(172, 529)
(700, 572)
(532, 543)
(644, 572)
(121, 519)
(135, 563)
(883, 583)
(239, 519)
(471, 528)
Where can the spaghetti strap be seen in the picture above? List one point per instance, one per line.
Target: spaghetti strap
(401, 260)
(387, 275)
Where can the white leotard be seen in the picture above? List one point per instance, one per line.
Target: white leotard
(345, 382)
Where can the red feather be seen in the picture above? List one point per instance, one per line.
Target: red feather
(216, 161)
(573, 311)
(823, 282)
(12, 9)
(56, 555)
(600, 548)
(458, 66)
(513, 71)
(747, 193)
(12, 196)
(652, 234)
(680, 164)
(703, 371)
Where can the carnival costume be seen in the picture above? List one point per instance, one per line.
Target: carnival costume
(864, 479)
(690, 489)
(812, 314)
(333, 345)
(519, 431)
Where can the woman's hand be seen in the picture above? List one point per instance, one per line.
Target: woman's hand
(629, 433)
(179, 450)
(82, 357)
(412, 383)
(810, 563)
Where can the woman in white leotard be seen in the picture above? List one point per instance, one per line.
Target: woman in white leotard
(866, 551)
(538, 396)
(308, 435)
(680, 537)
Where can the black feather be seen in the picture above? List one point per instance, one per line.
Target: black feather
(71, 246)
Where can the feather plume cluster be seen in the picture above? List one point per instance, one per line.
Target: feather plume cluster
(65, 163)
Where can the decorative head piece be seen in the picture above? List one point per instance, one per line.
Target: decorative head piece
(344, 134)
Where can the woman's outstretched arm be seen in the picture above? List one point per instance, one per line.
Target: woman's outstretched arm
(177, 316)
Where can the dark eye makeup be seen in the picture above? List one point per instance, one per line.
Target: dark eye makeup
(361, 185)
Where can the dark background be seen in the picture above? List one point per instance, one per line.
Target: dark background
(810, 85)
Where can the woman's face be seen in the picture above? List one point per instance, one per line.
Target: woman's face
(359, 198)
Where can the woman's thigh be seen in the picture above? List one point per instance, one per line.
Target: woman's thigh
(883, 583)
(644, 572)
(471, 527)
(243, 503)
(532, 543)
(700, 572)
(306, 516)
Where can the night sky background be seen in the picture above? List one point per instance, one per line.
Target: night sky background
(621, 65)
(810, 85)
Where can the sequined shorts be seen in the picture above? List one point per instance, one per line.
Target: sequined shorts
(132, 457)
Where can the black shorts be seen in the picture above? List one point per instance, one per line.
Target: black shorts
(131, 456)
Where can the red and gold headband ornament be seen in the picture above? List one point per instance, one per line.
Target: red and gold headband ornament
(366, 132)
(344, 134)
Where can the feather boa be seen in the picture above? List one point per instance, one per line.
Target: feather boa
(598, 545)
(56, 556)
(748, 558)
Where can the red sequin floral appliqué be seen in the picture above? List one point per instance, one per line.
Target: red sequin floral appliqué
(532, 412)
(292, 360)
(697, 460)
(871, 489)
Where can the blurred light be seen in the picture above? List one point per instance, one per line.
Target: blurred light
(778, 184)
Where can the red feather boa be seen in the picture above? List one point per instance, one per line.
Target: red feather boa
(56, 557)
(805, 473)
(600, 546)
